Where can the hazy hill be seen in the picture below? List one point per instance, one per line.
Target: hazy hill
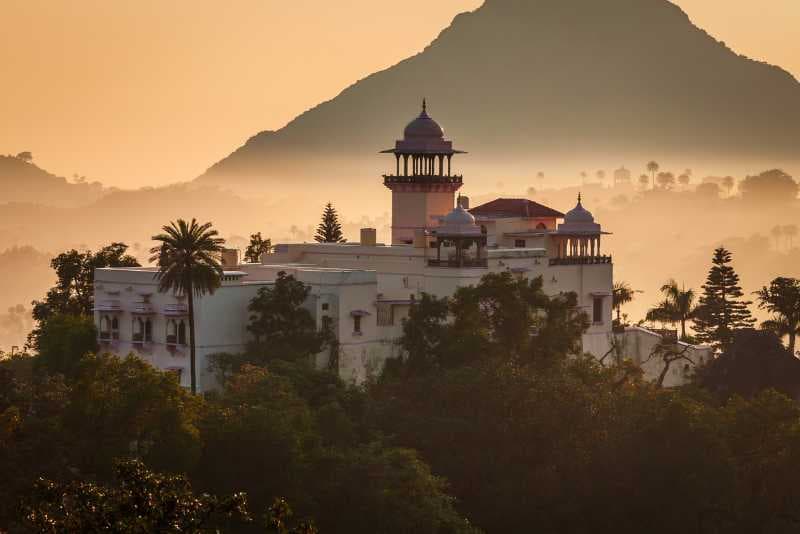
(547, 79)
(21, 181)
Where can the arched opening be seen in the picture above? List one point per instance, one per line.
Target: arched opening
(182, 333)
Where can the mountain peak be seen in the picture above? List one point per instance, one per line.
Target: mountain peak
(537, 78)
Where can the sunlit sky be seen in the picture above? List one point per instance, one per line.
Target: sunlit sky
(147, 92)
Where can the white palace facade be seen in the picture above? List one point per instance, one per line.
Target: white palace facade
(365, 289)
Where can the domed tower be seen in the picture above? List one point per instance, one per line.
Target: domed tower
(423, 188)
(578, 238)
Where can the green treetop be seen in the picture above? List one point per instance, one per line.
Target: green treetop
(329, 229)
(721, 311)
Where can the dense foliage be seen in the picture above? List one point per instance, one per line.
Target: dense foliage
(257, 247)
(73, 293)
(494, 420)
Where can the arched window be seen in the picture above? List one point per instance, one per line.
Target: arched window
(114, 328)
(105, 327)
(138, 329)
(541, 226)
(182, 333)
(148, 331)
(172, 332)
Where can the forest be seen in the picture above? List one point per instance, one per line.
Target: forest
(492, 422)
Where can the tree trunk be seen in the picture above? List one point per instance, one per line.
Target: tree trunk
(192, 360)
(683, 328)
(663, 375)
(792, 341)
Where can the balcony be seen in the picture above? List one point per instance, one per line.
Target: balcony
(581, 260)
(465, 263)
(108, 306)
(422, 179)
(143, 308)
(176, 310)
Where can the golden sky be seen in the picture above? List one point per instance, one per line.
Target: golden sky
(144, 92)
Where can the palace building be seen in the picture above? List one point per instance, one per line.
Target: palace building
(364, 290)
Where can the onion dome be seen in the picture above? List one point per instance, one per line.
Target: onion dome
(579, 214)
(459, 222)
(579, 221)
(423, 127)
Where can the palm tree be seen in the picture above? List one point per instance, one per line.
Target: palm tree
(777, 232)
(678, 306)
(728, 182)
(188, 264)
(652, 168)
(790, 231)
(621, 295)
(782, 299)
(644, 181)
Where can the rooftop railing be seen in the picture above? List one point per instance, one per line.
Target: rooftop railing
(581, 260)
(466, 263)
(422, 179)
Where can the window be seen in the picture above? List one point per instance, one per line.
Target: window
(325, 306)
(138, 330)
(541, 226)
(172, 332)
(385, 314)
(327, 323)
(519, 243)
(182, 333)
(597, 312)
(105, 327)
(357, 325)
(148, 331)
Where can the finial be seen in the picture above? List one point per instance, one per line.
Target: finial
(579, 198)
(424, 105)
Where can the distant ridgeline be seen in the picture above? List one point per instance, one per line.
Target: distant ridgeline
(551, 77)
(21, 181)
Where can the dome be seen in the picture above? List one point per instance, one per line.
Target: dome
(579, 214)
(579, 221)
(423, 127)
(459, 216)
(459, 222)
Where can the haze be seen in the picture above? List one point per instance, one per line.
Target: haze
(153, 92)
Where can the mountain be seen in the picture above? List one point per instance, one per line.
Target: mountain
(22, 182)
(539, 79)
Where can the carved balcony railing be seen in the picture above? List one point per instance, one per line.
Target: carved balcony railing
(581, 260)
(466, 263)
(390, 179)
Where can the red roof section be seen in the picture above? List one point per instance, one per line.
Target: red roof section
(514, 207)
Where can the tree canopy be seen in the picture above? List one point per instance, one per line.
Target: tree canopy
(73, 293)
(329, 229)
(721, 310)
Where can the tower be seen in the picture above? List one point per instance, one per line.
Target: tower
(423, 187)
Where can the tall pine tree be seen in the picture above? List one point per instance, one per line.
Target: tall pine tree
(329, 229)
(721, 310)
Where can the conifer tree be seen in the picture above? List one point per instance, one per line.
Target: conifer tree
(721, 310)
(329, 229)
